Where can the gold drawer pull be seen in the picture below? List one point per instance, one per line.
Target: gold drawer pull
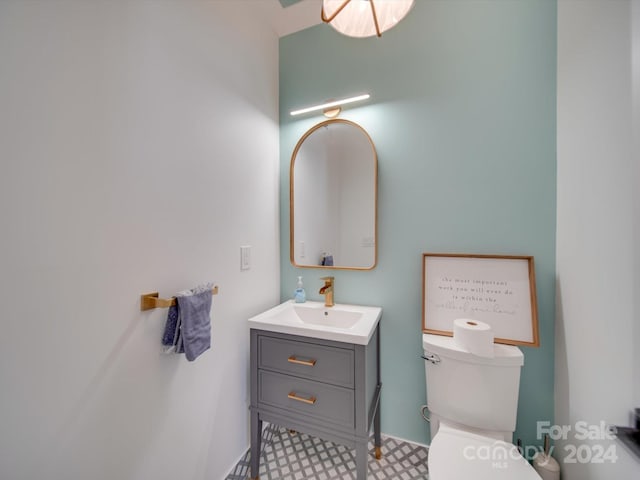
(308, 363)
(310, 400)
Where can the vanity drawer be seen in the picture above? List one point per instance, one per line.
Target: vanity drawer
(309, 360)
(324, 402)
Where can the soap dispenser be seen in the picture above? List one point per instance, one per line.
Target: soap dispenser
(299, 295)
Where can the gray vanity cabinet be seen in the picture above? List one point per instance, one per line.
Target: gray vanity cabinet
(323, 388)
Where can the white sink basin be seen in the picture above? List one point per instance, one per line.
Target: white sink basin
(341, 323)
(328, 317)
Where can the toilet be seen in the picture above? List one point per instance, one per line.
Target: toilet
(472, 404)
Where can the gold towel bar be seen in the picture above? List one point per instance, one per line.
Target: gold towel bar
(149, 301)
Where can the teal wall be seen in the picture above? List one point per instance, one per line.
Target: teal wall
(463, 118)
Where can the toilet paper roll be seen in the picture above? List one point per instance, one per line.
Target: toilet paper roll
(474, 336)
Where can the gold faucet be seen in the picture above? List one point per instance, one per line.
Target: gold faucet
(327, 291)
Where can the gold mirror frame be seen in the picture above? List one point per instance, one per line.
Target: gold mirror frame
(292, 202)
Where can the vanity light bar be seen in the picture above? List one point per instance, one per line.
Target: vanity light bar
(335, 103)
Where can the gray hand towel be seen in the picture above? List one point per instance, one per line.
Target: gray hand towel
(196, 323)
(170, 327)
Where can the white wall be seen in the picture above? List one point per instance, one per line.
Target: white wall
(597, 256)
(139, 150)
(635, 10)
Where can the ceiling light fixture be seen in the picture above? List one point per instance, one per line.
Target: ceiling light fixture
(330, 107)
(364, 18)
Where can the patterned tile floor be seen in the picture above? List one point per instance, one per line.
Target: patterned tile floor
(297, 456)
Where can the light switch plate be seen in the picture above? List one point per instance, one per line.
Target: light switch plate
(245, 257)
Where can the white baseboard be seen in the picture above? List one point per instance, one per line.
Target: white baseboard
(424, 445)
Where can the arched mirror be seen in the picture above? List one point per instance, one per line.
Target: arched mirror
(333, 198)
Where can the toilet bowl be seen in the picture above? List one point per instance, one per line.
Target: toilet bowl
(456, 454)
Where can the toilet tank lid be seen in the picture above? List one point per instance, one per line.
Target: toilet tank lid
(504, 355)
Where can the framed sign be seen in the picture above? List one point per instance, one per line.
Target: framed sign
(498, 290)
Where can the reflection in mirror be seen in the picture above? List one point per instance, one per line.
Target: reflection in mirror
(333, 195)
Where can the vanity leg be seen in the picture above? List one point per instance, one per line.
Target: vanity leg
(256, 438)
(362, 455)
(377, 437)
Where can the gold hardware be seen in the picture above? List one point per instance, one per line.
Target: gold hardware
(150, 301)
(378, 453)
(375, 18)
(326, 19)
(327, 291)
(309, 401)
(331, 112)
(308, 363)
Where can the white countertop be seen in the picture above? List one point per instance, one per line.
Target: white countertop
(288, 318)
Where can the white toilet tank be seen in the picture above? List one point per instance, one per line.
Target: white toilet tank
(472, 391)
